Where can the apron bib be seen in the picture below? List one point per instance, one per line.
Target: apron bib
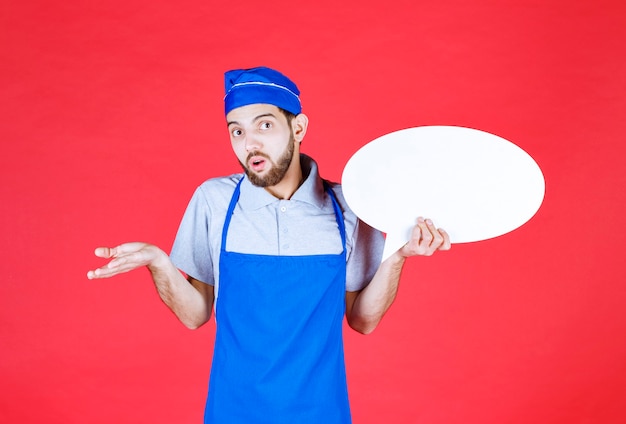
(278, 355)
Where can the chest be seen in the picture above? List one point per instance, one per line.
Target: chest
(285, 228)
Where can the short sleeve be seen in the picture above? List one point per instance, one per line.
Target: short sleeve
(191, 252)
(365, 256)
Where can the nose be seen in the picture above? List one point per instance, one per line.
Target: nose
(252, 143)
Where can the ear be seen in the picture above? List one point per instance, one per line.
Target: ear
(299, 124)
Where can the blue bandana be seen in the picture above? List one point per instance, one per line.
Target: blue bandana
(260, 85)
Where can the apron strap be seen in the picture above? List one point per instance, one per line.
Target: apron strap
(338, 213)
(231, 207)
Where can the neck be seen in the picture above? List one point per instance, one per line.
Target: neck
(290, 183)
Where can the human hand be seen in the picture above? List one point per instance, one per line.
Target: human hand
(125, 257)
(426, 239)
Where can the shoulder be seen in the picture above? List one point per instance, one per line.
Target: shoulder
(338, 191)
(349, 217)
(217, 189)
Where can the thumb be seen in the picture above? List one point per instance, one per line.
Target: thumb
(104, 252)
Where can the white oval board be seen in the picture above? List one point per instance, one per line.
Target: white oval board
(471, 183)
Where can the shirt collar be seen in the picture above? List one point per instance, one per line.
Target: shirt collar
(311, 191)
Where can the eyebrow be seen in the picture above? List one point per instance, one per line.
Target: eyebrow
(263, 115)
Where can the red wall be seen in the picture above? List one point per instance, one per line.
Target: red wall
(111, 115)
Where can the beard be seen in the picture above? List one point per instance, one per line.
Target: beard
(278, 169)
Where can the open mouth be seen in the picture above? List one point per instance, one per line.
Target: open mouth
(257, 163)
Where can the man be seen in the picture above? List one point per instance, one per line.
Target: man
(282, 259)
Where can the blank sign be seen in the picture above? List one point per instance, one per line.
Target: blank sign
(472, 183)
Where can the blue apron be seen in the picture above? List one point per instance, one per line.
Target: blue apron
(278, 354)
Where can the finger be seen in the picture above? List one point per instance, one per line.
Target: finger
(418, 229)
(100, 273)
(125, 248)
(420, 239)
(427, 235)
(437, 238)
(412, 244)
(110, 252)
(422, 227)
(103, 273)
(104, 252)
(111, 269)
(447, 244)
(128, 261)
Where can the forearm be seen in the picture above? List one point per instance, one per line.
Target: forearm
(366, 308)
(187, 303)
(371, 303)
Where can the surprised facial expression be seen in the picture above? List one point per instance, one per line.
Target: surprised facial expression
(263, 141)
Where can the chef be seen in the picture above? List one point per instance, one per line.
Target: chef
(278, 255)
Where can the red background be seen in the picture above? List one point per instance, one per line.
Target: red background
(111, 115)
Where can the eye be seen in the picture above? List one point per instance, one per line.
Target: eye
(266, 125)
(236, 132)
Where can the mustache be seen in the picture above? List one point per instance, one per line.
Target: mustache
(256, 153)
